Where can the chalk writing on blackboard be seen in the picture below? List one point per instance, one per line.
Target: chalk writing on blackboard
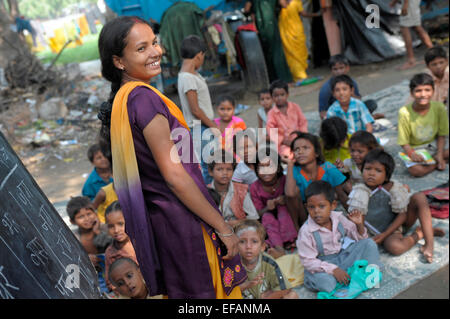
(38, 255)
(11, 224)
(5, 286)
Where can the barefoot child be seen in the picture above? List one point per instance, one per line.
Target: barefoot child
(389, 210)
(266, 102)
(235, 200)
(268, 197)
(329, 243)
(121, 245)
(423, 124)
(265, 279)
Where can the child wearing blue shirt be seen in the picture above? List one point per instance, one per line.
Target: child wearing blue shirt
(100, 176)
(352, 110)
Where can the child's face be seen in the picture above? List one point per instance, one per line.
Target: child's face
(225, 111)
(374, 174)
(304, 152)
(343, 92)
(100, 161)
(129, 281)
(339, 69)
(267, 171)
(250, 246)
(265, 99)
(247, 149)
(437, 66)
(116, 226)
(358, 151)
(86, 219)
(222, 173)
(319, 208)
(422, 94)
(280, 97)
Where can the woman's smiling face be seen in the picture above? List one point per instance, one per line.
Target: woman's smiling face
(141, 56)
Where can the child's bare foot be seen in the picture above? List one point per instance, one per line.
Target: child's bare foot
(427, 249)
(427, 252)
(407, 65)
(276, 252)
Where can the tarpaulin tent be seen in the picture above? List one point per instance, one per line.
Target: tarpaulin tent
(152, 9)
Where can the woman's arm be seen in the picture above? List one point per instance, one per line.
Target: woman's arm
(158, 138)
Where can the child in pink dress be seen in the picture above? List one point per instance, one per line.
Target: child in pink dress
(227, 122)
(268, 198)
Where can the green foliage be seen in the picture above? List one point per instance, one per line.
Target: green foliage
(47, 8)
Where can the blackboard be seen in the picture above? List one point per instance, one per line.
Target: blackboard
(39, 255)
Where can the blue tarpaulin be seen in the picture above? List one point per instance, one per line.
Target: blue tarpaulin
(151, 9)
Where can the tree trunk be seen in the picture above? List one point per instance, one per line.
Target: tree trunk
(10, 42)
(13, 8)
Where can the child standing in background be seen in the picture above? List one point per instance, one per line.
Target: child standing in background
(265, 280)
(329, 243)
(286, 117)
(121, 245)
(100, 176)
(266, 102)
(389, 210)
(227, 122)
(268, 197)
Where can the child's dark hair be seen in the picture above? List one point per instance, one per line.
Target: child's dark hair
(93, 150)
(113, 207)
(382, 157)
(274, 156)
(364, 138)
(117, 263)
(338, 58)
(435, 52)
(77, 203)
(314, 140)
(278, 84)
(246, 223)
(249, 133)
(420, 79)
(226, 98)
(320, 187)
(112, 42)
(341, 78)
(333, 132)
(263, 91)
(219, 157)
(191, 46)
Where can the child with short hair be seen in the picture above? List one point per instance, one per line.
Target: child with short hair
(105, 197)
(421, 124)
(235, 203)
(227, 122)
(329, 243)
(286, 117)
(126, 276)
(100, 176)
(268, 197)
(265, 279)
(389, 210)
(360, 143)
(245, 149)
(436, 60)
(334, 138)
(121, 245)
(309, 165)
(266, 102)
(352, 110)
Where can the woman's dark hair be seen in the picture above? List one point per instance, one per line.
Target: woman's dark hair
(333, 132)
(318, 188)
(226, 98)
(191, 46)
(279, 84)
(341, 78)
(364, 138)
(112, 42)
(420, 79)
(338, 58)
(435, 52)
(382, 157)
(314, 140)
(113, 207)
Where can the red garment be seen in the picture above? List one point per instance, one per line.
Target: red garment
(438, 199)
(237, 203)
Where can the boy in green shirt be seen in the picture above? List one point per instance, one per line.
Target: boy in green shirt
(421, 123)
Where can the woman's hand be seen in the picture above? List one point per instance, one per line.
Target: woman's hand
(231, 242)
